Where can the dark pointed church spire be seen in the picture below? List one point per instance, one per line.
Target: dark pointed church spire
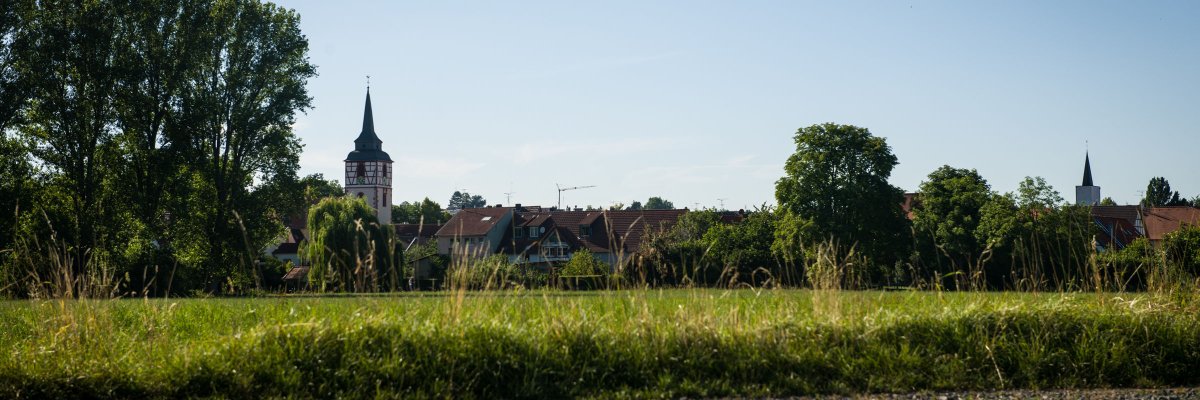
(1087, 171)
(368, 119)
(367, 146)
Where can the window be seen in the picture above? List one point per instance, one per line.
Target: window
(520, 233)
(585, 230)
(533, 232)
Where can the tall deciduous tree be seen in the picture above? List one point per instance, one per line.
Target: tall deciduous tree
(14, 39)
(1158, 193)
(837, 178)
(15, 169)
(947, 216)
(240, 104)
(70, 70)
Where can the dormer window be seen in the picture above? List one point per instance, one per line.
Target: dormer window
(585, 230)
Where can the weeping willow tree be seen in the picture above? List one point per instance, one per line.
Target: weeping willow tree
(348, 250)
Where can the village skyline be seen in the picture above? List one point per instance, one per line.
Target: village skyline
(699, 102)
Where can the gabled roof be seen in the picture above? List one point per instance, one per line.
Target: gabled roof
(473, 221)
(368, 147)
(1115, 232)
(1159, 221)
(630, 226)
(1129, 213)
(611, 231)
(416, 230)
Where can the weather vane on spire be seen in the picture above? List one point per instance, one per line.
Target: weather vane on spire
(368, 83)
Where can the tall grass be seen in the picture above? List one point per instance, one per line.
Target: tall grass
(640, 343)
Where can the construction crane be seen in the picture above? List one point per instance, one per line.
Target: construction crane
(563, 189)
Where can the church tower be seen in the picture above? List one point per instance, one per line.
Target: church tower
(1087, 194)
(369, 169)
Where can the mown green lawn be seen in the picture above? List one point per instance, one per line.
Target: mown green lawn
(642, 343)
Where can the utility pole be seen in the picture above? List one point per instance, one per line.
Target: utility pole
(563, 189)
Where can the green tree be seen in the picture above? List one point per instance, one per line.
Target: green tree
(743, 249)
(658, 203)
(947, 217)
(837, 178)
(1037, 240)
(460, 200)
(1108, 201)
(635, 206)
(71, 70)
(16, 172)
(583, 263)
(1159, 193)
(680, 254)
(242, 102)
(348, 250)
(14, 38)
(419, 212)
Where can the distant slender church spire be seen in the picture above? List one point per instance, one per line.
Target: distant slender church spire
(1087, 194)
(1087, 169)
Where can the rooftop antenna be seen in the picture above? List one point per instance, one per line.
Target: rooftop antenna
(722, 201)
(563, 189)
(508, 197)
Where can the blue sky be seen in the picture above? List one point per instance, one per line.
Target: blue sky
(698, 101)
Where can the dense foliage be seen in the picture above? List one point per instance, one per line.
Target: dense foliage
(419, 212)
(838, 180)
(349, 250)
(1159, 193)
(156, 138)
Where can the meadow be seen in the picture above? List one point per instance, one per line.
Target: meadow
(603, 344)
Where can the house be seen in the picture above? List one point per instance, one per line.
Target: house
(1119, 226)
(409, 235)
(1159, 221)
(547, 236)
(474, 232)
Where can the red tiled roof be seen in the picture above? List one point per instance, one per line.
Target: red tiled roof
(611, 231)
(630, 227)
(296, 273)
(1128, 213)
(415, 230)
(473, 221)
(1159, 221)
